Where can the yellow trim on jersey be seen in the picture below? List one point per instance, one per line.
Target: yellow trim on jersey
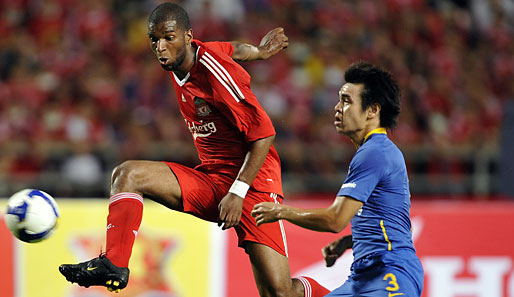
(385, 235)
(375, 131)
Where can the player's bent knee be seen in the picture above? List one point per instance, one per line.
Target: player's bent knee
(126, 177)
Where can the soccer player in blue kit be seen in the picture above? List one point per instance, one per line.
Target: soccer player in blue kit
(375, 196)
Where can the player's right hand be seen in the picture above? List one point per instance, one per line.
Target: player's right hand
(335, 249)
(230, 210)
(272, 43)
(266, 212)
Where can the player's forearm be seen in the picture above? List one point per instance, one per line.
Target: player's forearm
(323, 219)
(332, 219)
(245, 52)
(254, 159)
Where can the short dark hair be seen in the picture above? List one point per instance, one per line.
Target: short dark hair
(170, 11)
(379, 87)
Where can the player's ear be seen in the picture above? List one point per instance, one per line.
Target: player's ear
(188, 36)
(374, 110)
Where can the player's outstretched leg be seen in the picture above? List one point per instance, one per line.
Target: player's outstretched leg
(130, 181)
(97, 272)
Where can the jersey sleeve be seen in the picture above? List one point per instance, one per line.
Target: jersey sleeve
(233, 97)
(221, 46)
(366, 170)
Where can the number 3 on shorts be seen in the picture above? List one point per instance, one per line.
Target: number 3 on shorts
(393, 285)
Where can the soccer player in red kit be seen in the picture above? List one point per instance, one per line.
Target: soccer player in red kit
(239, 165)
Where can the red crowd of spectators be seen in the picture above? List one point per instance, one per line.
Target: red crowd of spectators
(80, 90)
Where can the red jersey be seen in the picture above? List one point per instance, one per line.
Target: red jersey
(224, 116)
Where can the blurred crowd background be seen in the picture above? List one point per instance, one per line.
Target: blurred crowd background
(80, 90)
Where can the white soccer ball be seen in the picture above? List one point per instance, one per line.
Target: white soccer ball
(32, 215)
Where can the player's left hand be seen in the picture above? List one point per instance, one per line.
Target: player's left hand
(230, 209)
(334, 250)
(272, 43)
(266, 212)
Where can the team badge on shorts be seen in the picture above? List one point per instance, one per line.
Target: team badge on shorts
(202, 108)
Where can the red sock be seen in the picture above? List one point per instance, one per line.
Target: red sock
(125, 214)
(312, 288)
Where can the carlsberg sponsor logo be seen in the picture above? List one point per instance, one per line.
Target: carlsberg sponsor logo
(203, 130)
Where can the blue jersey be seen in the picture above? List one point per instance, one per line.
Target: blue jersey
(378, 178)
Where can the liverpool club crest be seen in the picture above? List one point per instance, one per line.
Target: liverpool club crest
(202, 108)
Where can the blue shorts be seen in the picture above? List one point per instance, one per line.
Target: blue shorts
(383, 276)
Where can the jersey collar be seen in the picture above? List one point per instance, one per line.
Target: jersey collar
(374, 131)
(184, 80)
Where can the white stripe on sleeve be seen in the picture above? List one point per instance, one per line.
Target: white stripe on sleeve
(219, 79)
(227, 75)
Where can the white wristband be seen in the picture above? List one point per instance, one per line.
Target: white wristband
(239, 188)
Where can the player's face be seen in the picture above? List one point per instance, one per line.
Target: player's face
(169, 43)
(349, 117)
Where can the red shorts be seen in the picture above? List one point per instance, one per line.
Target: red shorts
(202, 192)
